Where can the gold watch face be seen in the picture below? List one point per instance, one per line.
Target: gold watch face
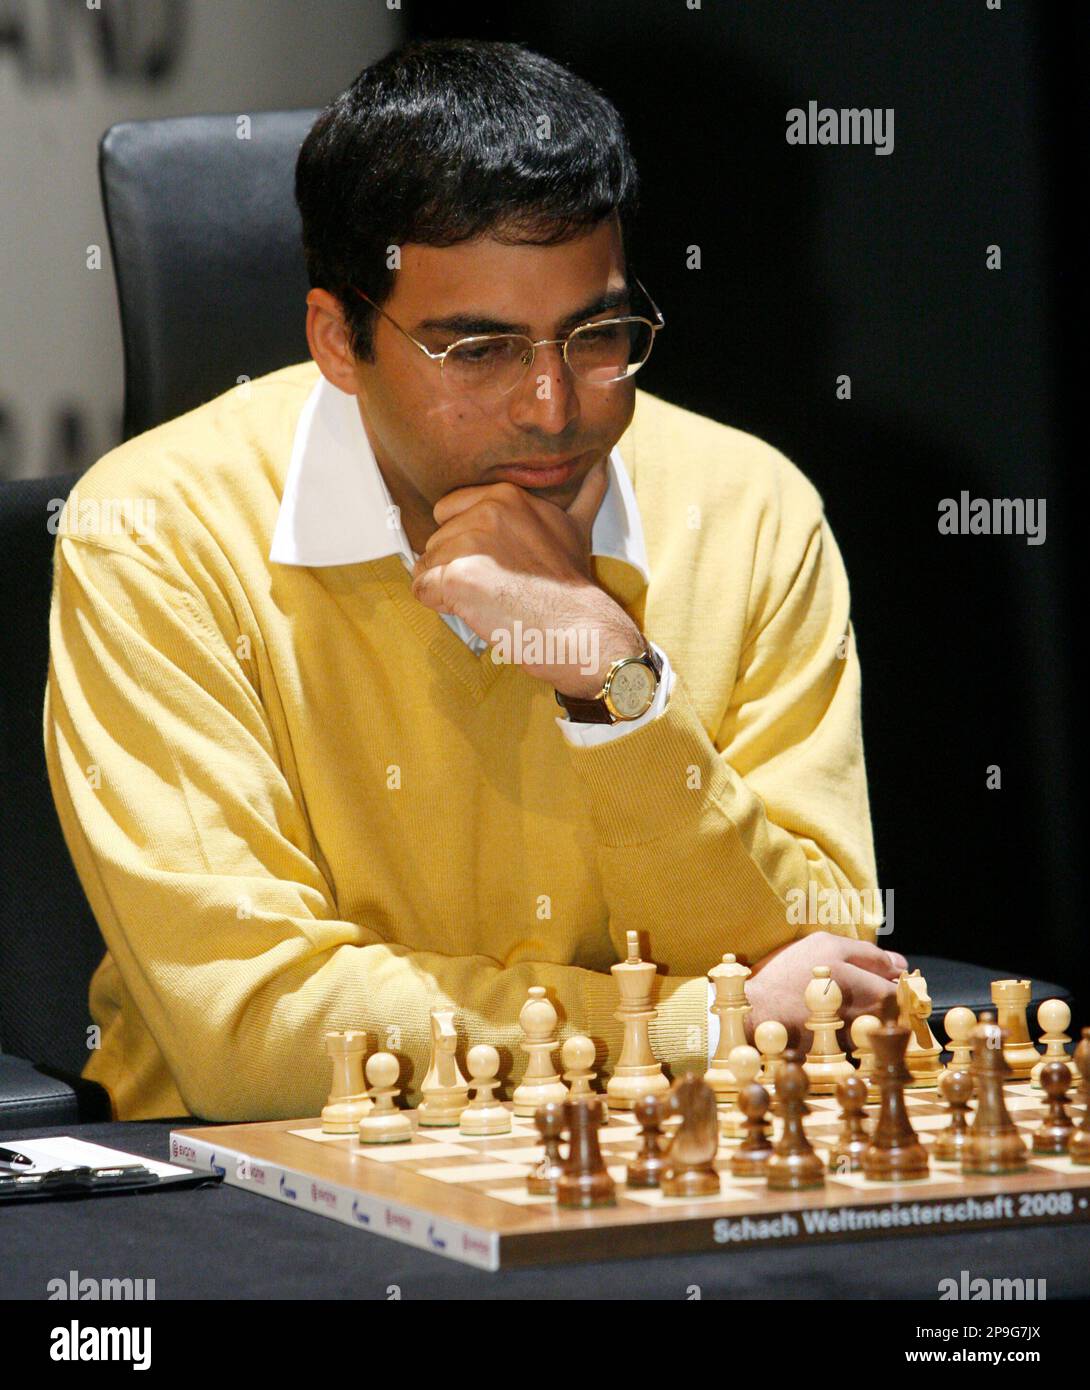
(632, 689)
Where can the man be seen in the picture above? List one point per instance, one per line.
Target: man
(300, 790)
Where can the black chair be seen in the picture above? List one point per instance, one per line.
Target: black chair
(211, 284)
(205, 239)
(49, 940)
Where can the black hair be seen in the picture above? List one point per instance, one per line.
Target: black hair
(445, 140)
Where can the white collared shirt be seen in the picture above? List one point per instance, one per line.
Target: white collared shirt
(337, 510)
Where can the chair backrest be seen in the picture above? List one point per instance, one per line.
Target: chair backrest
(207, 254)
(49, 941)
(211, 285)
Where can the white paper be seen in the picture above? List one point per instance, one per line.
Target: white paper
(63, 1150)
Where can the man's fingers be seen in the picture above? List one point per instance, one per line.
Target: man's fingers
(468, 541)
(873, 958)
(863, 990)
(588, 499)
(461, 498)
(427, 588)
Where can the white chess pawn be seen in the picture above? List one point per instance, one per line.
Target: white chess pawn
(959, 1024)
(745, 1063)
(577, 1056)
(771, 1038)
(861, 1030)
(385, 1124)
(1054, 1019)
(484, 1114)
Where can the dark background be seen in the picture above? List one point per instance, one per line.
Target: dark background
(822, 260)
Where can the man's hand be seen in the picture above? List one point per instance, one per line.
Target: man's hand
(502, 554)
(866, 974)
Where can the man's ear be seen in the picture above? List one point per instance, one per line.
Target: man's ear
(327, 338)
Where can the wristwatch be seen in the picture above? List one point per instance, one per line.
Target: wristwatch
(627, 692)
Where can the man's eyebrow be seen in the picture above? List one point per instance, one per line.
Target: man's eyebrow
(482, 323)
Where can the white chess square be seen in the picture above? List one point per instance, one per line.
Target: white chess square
(618, 1134)
(524, 1153)
(1060, 1163)
(404, 1153)
(655, 1197)
(864, 1184)
(475, 1172)
(319, 1136)
(518, 1197)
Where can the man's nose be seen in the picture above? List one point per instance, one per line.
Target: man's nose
(546, 397)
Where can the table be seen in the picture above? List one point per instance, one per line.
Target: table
(224, 1243)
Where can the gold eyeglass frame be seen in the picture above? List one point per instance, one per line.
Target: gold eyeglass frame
(541, 342)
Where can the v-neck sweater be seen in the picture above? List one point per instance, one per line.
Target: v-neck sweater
(298, 802)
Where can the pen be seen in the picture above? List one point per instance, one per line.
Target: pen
(10, 1159)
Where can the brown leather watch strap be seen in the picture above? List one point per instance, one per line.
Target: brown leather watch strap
(596, 711)
(585, 711)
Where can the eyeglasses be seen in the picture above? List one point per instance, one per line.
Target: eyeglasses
(490, 365)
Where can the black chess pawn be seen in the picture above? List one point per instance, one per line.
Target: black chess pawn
(846, 1154)
(894, 1153)
(1054, 1134)
(793, 1166)
(549, 1120)
(995, 1146)
(645, 1170)
(751, 1156)
(956, 1089)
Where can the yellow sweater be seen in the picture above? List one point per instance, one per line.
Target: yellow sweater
(296, 801)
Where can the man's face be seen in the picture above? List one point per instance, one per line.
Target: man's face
(429, 440)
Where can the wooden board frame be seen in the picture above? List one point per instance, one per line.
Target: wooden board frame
(461, 1219)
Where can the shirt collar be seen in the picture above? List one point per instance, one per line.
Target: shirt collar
(337, 510)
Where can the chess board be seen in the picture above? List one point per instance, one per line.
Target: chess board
(466, 1199)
